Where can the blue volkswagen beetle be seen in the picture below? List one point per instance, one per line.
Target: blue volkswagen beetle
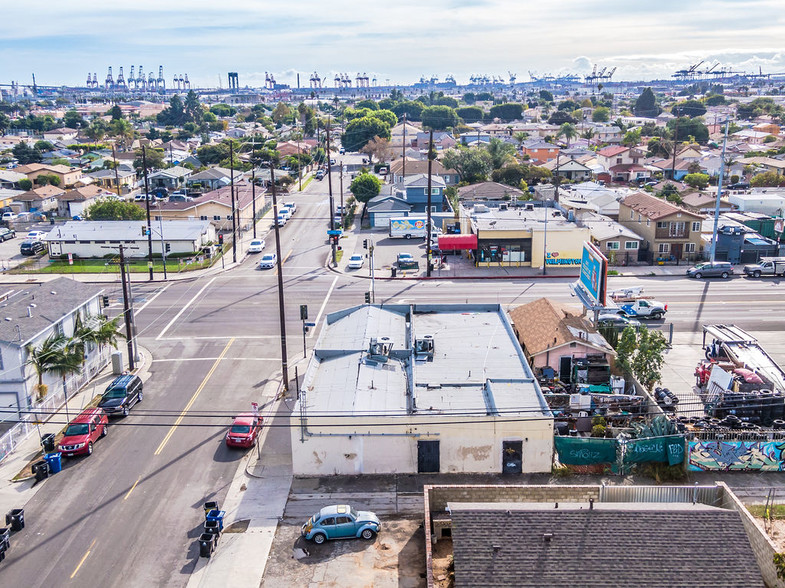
(341, 522)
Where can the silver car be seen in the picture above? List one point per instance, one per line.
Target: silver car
(616, 320)
(711, 269)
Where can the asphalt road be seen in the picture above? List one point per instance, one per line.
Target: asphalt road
(129, 514)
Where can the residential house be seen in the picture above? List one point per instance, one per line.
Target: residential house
(624, 164)
(552, 335)
(397, 135)
(68, 175)
(485, 191)
(749, 136)
(40, 199)
(10, 179)
(767, 127)
(77, 201)
(94, 239)
(764, 164)
(475, 139)
(109, 178)
(539, 151)
(705, 203)
(668, 231)
(619, 244)
(441, 140)
(737, 243)
(11, 141)
(415, 189)
(32, 314)
(216, 207)
(210, 179)
(288, 148)
(607, 134)
(569, 169)
(63, 134)
(450, 177)
(380, 209)
(602, 199)
(171, 178)
(770, 201)
(401, 369)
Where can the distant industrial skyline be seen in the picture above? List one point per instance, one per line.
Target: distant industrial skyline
(399, 42)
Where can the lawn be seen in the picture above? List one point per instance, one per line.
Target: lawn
(100, 266)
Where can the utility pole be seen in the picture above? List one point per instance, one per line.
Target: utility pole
(234, 222)
(719, 195)
(675, 134)
(253, 196)
(428, 208)
(282, 314)
(117, 175)
(163, 244)
(403, 147)
(556, 178)
(147, 206)
(373, 281)
(129, 335)
(343, 210)
(299, 165)
(332, 202)
(545, 239)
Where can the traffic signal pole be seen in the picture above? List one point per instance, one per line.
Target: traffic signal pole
(333, 239)
(147, 205)
(281, 312)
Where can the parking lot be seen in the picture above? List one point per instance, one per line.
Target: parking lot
(9, 249)
(396, 557)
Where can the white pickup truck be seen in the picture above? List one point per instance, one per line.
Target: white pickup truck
(768, 266)
(641, 308)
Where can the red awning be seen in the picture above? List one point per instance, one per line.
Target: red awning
(457, 242)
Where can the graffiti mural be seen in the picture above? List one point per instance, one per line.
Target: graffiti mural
(737, 455)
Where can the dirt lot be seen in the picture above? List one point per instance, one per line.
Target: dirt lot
(396, 558)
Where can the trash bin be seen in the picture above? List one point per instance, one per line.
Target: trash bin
(5, 539)
(208, 506)
(48, 442)
(16, 519)
(213, 528)
(394, 271)
(217, 515)
(40, 470)
(54, 462)
(206, 544)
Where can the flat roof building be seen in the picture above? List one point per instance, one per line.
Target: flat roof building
(420, 388)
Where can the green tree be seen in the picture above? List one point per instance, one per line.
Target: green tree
(116, 112)
(25, 184)
(370, 104)
(364, 187)
(685, 127)
(767, 180)
(631, 138)
(361, 130)
(225, 111)
(700, 181)
(193, 109)
(109, 209)
(473, 165)
(691, 108)
(646, 104)
(46, 179)
(5, 123)
(53, 355)
(568, 106)
(74, 120)
(156, 159)
(470, 114)
(44, 146)
(97, 130)
(25, 154)
(568, 131)
(715, 100)
(625, 350)
(439, 118)
(469, 98)
(386, 116)
(561, 117)
(601, 114)
(649, 357)
(500, 152)
(506, 111)
(213, 154)
(123, 130)
(546, 96)
(281, 113)
(174, 114)
(446, 101)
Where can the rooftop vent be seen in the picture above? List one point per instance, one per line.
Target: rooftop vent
(530, 206)
(423, 348)
(379, 349)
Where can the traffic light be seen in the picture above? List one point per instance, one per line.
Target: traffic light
(168, 247)
(367, 298)
(303, 312)
(145, 232)
(365, 243)
(220, 239)
(105, 299)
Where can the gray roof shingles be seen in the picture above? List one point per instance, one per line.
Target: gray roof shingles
(602, 548)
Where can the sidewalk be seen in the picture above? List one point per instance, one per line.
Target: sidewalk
(254, 505)
(17, 494)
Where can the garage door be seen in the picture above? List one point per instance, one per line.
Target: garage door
(8, 406)
(382, 221)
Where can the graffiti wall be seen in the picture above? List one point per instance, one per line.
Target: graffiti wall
(737, 455)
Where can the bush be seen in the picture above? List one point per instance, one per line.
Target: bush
(599, 431)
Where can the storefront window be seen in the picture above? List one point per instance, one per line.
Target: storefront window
(504, 251)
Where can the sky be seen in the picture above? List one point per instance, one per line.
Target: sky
(395, 42)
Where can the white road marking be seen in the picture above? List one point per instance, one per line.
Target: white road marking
(157, 294)
(321, 309)
(216, 358)
(183, 309)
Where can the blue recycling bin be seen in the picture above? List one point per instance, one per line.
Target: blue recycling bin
(217, 515)
(54, 461)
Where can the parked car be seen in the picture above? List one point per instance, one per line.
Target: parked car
(244, 430)
(9, 216)
(36, 235)
(407, 261)
(291, 206)
(617, 320)
(341, 522)
(268, 261)
(319, 174)
(356, 261)
(711, 269)
(342, 150)
(121, 395)
(256, 246)
(281, 220)
(82, 432)
(6, 234)
(739, 186)
(180, 198)
(32, 247)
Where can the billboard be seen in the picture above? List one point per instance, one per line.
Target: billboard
(594, 273)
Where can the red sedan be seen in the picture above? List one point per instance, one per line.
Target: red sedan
(244, 430)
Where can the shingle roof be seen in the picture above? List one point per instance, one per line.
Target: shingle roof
(545, 324)
(613, 150)
(624, 545)
(652, 207)
(53, 300)
(414, 167)
(487, 191)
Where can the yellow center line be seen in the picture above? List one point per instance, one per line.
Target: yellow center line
(275, 273)
(193, 398)
(132, 489)
(83, 559)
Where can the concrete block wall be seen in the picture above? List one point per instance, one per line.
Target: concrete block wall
(762, 546)
(439, 496)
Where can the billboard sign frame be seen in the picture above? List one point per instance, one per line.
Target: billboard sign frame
(594, 273)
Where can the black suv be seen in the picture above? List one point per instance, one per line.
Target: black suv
(123, 393)
(32, 248)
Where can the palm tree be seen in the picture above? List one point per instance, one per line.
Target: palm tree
(520, 137)
(568, 131)
(43, 358)
(588, 134)
(500, 152)
(123, 130)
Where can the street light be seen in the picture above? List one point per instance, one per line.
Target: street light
(545, 239)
